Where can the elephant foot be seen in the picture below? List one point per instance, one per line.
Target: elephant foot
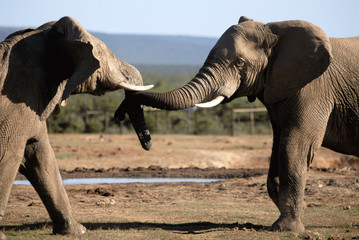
(75, 228)
(288, 224)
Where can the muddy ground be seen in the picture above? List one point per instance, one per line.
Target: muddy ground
(242, 161)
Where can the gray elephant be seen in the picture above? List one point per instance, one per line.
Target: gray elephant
(39, 69)
(309, 84)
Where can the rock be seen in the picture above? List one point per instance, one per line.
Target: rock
(102, 192)
(347, 207)
(106, 202)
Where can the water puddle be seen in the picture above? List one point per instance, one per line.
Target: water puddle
(77, 181)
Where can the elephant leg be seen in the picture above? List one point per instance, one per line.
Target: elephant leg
(295, 151)
(41, 169)
(11, 152)
(9, 165)
(273, 173)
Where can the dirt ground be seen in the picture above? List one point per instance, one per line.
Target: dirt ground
(239, 204)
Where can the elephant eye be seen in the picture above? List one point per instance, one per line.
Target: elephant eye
(240, 63)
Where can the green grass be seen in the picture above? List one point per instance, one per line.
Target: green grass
(64, 155)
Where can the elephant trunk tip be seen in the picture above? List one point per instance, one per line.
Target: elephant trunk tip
(145, 139)
(136, 115)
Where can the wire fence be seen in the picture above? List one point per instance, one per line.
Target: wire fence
(238, 121)
(241, 121)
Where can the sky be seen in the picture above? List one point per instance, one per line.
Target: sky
(207, 18)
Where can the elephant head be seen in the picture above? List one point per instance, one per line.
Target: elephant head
(48, 64)
(265, 61)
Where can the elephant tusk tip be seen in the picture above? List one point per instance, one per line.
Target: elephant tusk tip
(149, 86)
(210, 104)
(63, 103)
(135, 88)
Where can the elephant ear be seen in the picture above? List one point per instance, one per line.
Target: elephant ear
(244, 19)
(301, 55)
(75, 45)
(80, 48)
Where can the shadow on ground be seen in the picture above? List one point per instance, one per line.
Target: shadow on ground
(181, 228)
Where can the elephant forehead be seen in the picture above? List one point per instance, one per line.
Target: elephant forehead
(234, 44)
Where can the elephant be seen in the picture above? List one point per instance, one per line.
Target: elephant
(39, 69)
(309, 84)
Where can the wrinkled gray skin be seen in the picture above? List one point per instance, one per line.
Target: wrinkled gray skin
(38, 69)
(309, 84)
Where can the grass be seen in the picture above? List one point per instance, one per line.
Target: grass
(64, 155)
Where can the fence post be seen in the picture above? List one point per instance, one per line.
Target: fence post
(188, 121)
(233, 123)
(106, 120)
(251, 118)
(168, 122)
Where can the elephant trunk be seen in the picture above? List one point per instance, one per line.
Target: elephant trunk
(135, 113)
(138, 122)
(130, 79)
(202, 87)
(198, 90)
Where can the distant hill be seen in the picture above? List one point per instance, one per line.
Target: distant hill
(6, 31)
(168, 69)
(156, 49)
(153, 50)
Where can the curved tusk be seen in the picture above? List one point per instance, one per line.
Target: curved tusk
(131, 87)
(212, 103)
